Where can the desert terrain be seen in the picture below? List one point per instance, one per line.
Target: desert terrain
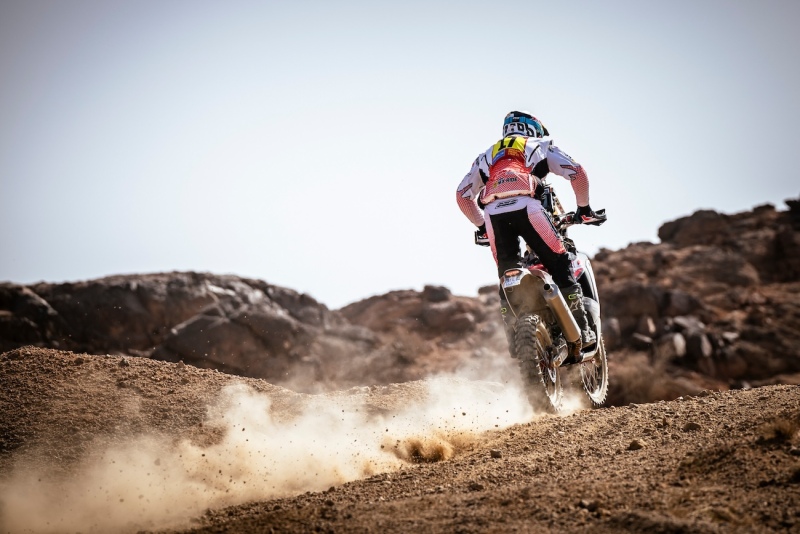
(116, 444)
(102, 444)
(177, 402)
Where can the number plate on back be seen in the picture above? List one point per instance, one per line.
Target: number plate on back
(513, 280)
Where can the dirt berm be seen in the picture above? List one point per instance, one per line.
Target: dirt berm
(120, 444)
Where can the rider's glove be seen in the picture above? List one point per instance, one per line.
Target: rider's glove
(481, 238)
(585, 215)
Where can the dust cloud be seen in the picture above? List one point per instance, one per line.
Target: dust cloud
(160, 481)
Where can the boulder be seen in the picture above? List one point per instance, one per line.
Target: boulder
(219, 343)
(787, 262)
(688, 324)
(436, 294)
(448, 316)
(630, 301)
(25, 317)
(488, 290)
(679, 302)
(646, 326)
(703, 227)
(707, 270)
(794, 212)
(641, 341)
(612, 337)
(669, 347)
(698, 346)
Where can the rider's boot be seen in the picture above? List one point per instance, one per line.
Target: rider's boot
(574, 297)
(508, 326)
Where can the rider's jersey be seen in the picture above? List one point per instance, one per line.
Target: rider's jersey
(509, 169)
(513, 167)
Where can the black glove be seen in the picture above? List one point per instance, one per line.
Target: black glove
(481, 238)
(585, 215)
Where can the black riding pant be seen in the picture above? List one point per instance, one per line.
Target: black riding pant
(507, 228)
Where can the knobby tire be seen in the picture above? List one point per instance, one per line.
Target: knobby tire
(594, 375)
(542, 385)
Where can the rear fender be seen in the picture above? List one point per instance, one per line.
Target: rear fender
(526, 297)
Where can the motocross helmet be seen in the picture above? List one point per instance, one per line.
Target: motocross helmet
(522, 123)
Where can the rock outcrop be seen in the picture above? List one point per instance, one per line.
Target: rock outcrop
(719, 295)
(242, 326)
(254, 329)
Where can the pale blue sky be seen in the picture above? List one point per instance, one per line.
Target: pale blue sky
(318, 145)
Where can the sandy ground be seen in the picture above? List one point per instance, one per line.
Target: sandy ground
(113, 444)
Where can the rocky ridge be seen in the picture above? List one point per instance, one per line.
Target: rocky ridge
(717, 300)
(715, 304)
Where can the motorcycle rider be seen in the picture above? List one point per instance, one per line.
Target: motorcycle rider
(506, 181)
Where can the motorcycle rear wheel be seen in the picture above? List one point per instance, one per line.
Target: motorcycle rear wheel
(594, 375)
(542, 382)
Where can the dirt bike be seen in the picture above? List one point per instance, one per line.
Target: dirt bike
(546, 337)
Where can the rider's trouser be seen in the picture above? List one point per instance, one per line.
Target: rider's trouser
(536, 228)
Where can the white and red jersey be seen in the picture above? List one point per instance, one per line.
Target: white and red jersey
(512, 167)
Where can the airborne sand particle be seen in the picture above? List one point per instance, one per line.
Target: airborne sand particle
(106, 492)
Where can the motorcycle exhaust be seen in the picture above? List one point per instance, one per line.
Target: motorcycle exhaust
(556, 303)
